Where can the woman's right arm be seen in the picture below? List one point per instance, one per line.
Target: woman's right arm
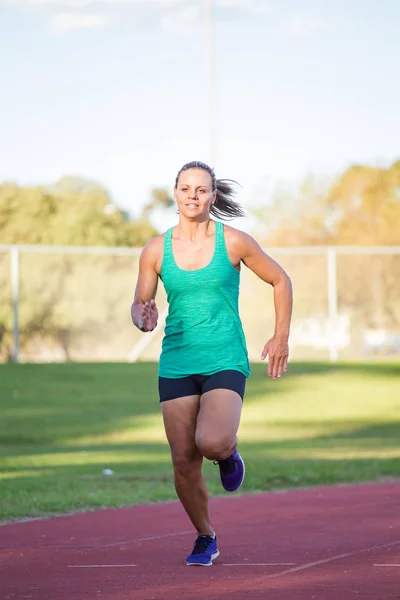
(144, 311)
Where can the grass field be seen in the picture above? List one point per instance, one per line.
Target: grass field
(62, 425)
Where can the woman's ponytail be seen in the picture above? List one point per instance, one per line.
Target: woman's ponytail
(224, 206)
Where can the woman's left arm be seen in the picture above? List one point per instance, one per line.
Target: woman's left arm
(277, 348)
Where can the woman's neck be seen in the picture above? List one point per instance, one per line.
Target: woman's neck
(194, 230)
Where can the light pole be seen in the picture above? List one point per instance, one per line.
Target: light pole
(210, 80)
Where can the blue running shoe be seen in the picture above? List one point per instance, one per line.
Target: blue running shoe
(204, 551)
(231, 471)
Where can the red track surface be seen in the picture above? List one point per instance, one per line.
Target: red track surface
(322, 544)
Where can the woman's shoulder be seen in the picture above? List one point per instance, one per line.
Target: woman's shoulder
(240, 244)
(236, 236)
(154, 246)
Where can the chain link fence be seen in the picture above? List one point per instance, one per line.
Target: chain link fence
(70, 303)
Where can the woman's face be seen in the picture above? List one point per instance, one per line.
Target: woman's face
(194, 193)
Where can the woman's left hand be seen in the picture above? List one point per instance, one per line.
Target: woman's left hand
(277, 350)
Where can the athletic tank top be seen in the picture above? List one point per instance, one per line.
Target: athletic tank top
(203, 331)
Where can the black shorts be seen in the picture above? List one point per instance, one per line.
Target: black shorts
(196, 385)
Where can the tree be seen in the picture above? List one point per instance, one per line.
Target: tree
(160, 199)
(295, 217)
(367, 204)
(361, 208)
(73, 211)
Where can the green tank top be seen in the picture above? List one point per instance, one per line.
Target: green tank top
(203, 331)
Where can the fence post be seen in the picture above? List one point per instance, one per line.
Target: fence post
(332, 303)
(14, 256)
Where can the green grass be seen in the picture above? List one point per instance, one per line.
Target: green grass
(63, 424)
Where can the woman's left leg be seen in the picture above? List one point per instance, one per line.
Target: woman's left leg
(217, 423)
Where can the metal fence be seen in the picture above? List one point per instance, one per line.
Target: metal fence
(73, 303)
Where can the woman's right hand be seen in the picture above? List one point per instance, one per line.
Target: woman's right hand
(148, 317)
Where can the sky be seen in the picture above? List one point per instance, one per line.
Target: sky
(119, 91)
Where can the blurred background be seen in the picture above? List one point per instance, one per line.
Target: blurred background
(102, 102)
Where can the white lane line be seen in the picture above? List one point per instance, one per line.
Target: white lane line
(115, 544)
(391, 565)
(145, 539)
(331, 559)
(97, 566)
(258, 564)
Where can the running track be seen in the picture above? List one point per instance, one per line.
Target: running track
(331, 543)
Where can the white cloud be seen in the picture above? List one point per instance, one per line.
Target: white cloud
(185, 16)
(178, 16)
(304, 26)
(185, 20)
(63, 23)
(51, 5)
(246, 6)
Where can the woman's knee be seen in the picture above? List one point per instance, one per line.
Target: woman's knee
(215, 447)
(186, 463)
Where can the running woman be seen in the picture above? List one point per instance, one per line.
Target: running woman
(204, 362)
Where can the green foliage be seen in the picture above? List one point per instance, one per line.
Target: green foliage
(361, 208)
(72, 212)
(160, 199)
(366, 202)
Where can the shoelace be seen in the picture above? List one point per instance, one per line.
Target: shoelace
(227, 466)
(202, 543)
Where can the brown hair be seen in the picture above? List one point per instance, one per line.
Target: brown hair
(224, 206)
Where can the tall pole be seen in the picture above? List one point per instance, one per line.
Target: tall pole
(210, 80)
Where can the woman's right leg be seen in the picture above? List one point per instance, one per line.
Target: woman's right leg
(180, 418)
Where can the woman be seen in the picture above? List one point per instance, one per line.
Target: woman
(204, 363)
